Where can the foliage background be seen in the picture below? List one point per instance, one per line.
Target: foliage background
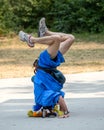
(62, 15)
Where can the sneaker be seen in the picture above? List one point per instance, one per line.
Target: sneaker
(42, 27)
(25, 38)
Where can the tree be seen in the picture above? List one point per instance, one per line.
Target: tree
(65, 15)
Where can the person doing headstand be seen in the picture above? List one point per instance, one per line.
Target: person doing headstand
(47, 89)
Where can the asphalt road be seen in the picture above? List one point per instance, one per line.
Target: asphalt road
(84, 97)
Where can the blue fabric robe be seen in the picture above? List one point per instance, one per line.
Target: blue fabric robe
(47, 89)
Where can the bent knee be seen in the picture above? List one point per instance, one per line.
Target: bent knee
(72, 37)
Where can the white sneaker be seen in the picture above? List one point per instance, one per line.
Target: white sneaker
(42, 27)
(25, 38)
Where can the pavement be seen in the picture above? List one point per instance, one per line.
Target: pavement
(84, 97)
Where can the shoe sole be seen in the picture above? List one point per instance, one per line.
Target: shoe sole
(21, 33)
(22, 38)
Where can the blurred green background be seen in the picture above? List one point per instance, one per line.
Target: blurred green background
(68, 16)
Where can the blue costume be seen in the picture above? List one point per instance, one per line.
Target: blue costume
(47, 89)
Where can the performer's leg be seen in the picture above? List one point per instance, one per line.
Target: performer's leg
(53, 42)
(65, 39)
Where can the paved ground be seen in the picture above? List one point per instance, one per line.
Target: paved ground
(84, 97)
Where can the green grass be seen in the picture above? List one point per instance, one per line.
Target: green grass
(86, 37)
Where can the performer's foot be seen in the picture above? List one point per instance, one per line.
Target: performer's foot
(25, 38)
(42, 27)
